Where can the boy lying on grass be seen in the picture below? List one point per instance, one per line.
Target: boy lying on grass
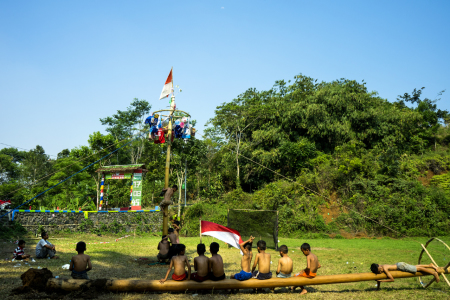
(201, 264)
(79, 263)
(178, 263)
(312, 265)
(404, 267)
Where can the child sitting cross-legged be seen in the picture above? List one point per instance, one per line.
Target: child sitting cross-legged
(200, 265)
(79, 262)
(179, 263)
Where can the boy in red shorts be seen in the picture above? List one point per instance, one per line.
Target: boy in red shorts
(178, 263)
(312, 265)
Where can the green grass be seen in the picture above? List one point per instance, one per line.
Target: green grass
(121, 260)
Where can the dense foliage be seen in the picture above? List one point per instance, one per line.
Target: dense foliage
(300, 148)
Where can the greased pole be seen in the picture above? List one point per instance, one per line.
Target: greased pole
(166, 177)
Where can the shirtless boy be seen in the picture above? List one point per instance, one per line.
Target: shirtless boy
(200, 265)
(168, 193)
(246, 261)
(176, 226)
(179, 264)
(173, 241)
(285, 264)
(79, 262)
(163, 248)
(404, 267)
(215, 263)
(262, 260)
(312, 265)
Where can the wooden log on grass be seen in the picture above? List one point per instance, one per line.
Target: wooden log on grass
(125, 285)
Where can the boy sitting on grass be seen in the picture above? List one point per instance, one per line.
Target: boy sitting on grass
(215, 263)
(246, 261)
(163, 248)
(19, 252)
(285, 264)
(200, 265)
(79, 262)
(312, 265)
(263, 261)
(44, 248)
(178, 263)
(404, 267)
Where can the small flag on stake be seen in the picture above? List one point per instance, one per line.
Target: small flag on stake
(168, 86)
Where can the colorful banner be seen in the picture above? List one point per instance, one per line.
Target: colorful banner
(118, 176)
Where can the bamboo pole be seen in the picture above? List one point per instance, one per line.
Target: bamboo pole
(125, 285)
(200, 231)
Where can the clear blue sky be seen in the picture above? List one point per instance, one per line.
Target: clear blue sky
(65, 64)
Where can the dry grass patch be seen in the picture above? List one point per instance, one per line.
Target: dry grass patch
(121, 260)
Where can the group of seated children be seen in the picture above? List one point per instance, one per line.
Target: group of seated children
(212, 268)
(206, 268)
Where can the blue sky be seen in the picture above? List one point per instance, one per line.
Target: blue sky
(65, 64)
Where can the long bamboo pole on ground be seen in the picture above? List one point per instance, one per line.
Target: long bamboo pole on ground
(125, 285)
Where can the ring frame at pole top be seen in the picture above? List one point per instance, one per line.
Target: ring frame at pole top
(171, 112)
(420, 258)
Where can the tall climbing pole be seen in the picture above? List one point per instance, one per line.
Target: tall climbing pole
(171, 116)
(166, 175)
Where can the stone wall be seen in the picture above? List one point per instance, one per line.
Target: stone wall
(54, 222)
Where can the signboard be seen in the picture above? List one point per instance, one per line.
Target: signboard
(137, 190)
(118, 176)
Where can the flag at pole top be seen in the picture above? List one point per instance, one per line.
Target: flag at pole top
(168, 86)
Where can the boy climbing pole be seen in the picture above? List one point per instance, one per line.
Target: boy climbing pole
(168, 193)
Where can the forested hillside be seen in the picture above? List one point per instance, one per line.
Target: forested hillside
(324, 154)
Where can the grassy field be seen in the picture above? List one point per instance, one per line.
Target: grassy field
(121, 259)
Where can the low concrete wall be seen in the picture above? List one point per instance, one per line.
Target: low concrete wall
(92, 222)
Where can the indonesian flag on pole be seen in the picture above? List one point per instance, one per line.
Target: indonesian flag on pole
(167, 89)
(230, 236)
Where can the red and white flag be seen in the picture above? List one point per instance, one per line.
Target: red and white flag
(230, 236)
(167, 89)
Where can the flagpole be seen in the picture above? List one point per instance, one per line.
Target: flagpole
(200, 230)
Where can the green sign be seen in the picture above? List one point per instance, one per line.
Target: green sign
(137, 190)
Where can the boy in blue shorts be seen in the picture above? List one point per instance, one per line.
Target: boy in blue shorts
(246, 248)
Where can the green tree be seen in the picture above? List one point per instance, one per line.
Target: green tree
(125, 124)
